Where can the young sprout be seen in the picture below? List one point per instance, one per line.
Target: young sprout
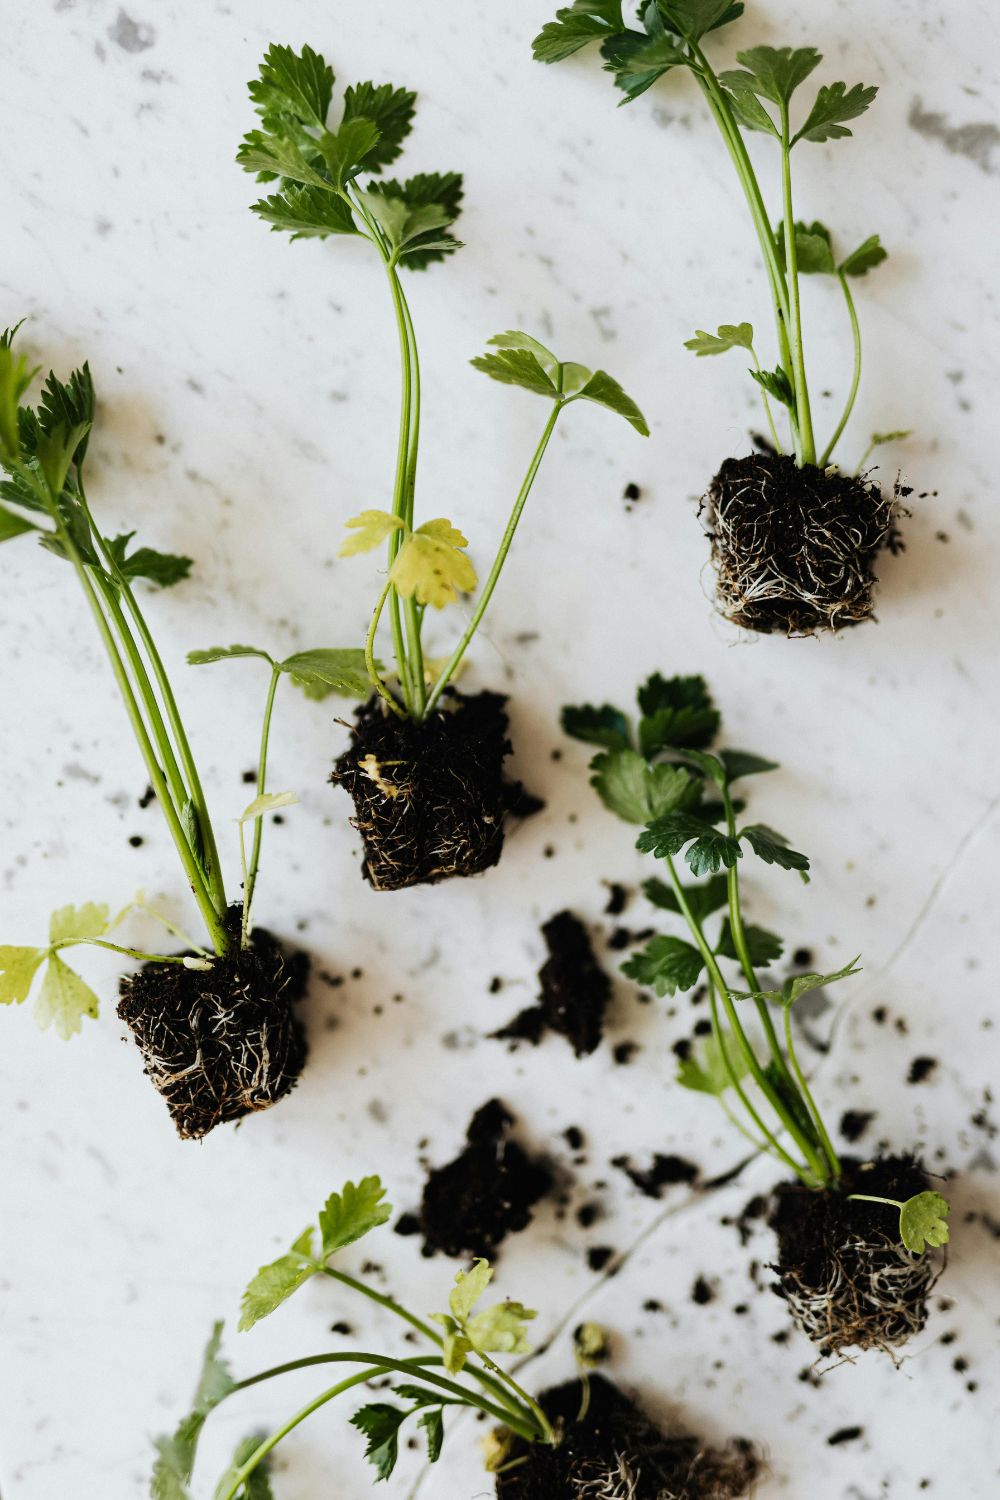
(319, 164)
(456, 1370)
(761, 96)
(668, 779)
(43, 451)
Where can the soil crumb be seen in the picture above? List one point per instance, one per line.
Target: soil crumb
(575, 990)
(663, 1171)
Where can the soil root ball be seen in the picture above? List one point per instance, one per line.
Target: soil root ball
(794, 549)
(429, 798)
(221, 1043)
(617, 1453)
(848, 1282)
(486, 1193)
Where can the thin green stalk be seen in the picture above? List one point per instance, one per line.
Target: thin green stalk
(767, 405)
(805, 451)
(425, 1329)
(402, 501)
(800, 1076)
(373, 673)
(501, 557)
(734, 1081)
(740, 940)
(245, 918)
(544, 1425)
(749, 1055)
(852, 313)
(258, 833)
(211, 851)
(153, 958)
(720, 107)
(220, 938)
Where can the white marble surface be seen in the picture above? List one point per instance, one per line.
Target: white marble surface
(248, 395)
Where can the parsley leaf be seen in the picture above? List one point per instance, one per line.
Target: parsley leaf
(637, 791)
(813, 249)
(729, 336)
(390, 110)
(517, 367)
(440, 190)
(64, 1000)
(328, 670)
(12, 526)
(869, 254)
(708, 849)
(352, 1213)
(772, 847)
(764, 947)
(639, 61)
(433, 1424)
(257, 1485)
(705, 1071)
(18, 967)
(676, 712)
(834, 104)
(606, 725)
(380, 1422)
(575, 26)
(349, 150)
(772, 72)
(523, 361)
(665, 965)
(604, 390)
(275, 1282)
(275, 156)
(740, 763)
(162, 568)
(704, 898)
(176, 1452)
(299, 85)
(691, 19)
(496, 1330)
(370, 528)
(798, 985)
(922, 1221)
(306, 212)
(777, 384)
(431, 565)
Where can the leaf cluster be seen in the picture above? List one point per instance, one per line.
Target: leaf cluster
(430, 566)
(317, 165)
(524, 362)
(319, 672)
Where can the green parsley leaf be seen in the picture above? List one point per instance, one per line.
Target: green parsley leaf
(708, 852)
(705, 1071)
(73, 923)
(68, 404)
(257, 1485)
(306, 212)
(348, 151)
(390, 110)
(173, 1467)
(525, 362)
(665, 965)
(772, 847)
(869, 254)
(296, 84)
(352, 1213)
(772, 72)
(834, 104)
(605, 726)
(793, 1102)
(638, 792)
(691, 19)
(275, 1283)
(439, 190)
(922, 1221)
(575, 26)
(162, 568)
(275, 156)
(18, 967)
(327, 670)
(224, 653)
(603, 389)
(433, 1424)
(676, 712)
(639, 61)
(777, 384)
(469, 1287)
(12, 526)
(517, 367)
(371, 528)
(729, 336)
(764, 947)
(794, 988)
(740, 763)
(380, 1422)
(749, 111)
(16, 376)
(64, 999)
(704, 898)
(813, 249)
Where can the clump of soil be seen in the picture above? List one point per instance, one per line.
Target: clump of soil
(430, 798)
(575, 990)
(848, 1281)
(663, 1171)
(221, 1043)
(487, 1192)
(618, 1453)
(795, 549)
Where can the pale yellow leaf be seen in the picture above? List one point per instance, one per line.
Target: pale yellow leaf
(64, 999)
(74, 922)
(369, 529)
(430, 567)
(18, 967)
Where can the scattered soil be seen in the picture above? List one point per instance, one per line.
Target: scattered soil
(921, 1069)
(795, 549)
(663, 1171)
(487, 1192)
(430, 798)
(575, 990)
(847, 1280)
(618, 1453)
(221, 1043)
(854, 1123)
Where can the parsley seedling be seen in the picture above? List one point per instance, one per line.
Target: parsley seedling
(459, 1370)
(318, 163)
(667, 778)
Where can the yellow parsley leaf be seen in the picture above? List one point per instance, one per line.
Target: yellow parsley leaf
(370, 528)
(431, 567)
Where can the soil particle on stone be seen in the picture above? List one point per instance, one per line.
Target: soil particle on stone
(430, 797)
(854, 1123)
(844, 1435)
(617, 900)
(921, 1069)
(702, 1292)
(599, 1256)
(221, 1043)
(470, 1205)
(663, 1171)
(795, 548)
(618, 1451)
(575, 990)
(848, 1281)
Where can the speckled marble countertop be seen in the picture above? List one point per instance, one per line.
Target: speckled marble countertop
(247, 389)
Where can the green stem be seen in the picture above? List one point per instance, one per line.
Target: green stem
(245, 918)
(800, 1076)
(213, 863)
(873, 1198)
(722, 112)
(544, 1425)
(740, 940)
(749, 1055)
(258, 833)
(852, 313)
(153, 958)
(734, 1080)
(767, 405)
(373, 673)
(501, 557)
(402, 503)
(805, 451)
(220, 938)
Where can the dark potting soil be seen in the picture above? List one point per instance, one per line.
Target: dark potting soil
(487, 1192)
(575, 990)
(795, 549)
(663, 1171)
(848, 1281)
(430, 798)
(617, 1450)
(221, 1043)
